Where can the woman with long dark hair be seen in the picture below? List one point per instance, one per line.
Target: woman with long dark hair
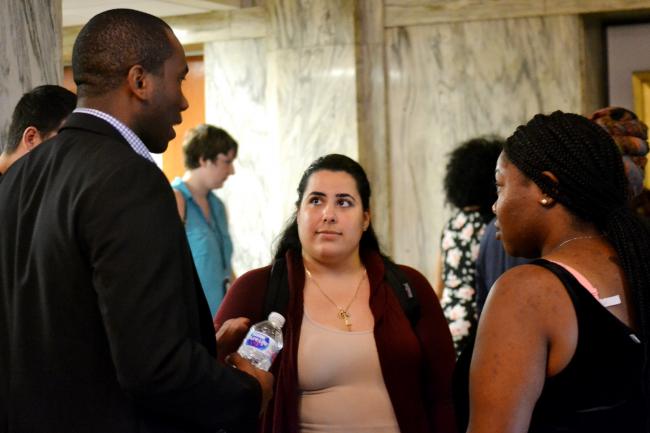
(353, 360)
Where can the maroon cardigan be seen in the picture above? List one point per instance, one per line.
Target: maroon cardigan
(416, 364)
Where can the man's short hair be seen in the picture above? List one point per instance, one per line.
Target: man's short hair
(114, 41)
(44, 108)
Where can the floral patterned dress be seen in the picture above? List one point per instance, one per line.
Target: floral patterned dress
(459, 248)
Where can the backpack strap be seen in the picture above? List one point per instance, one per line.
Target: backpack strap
(403, 291)
(277, 292)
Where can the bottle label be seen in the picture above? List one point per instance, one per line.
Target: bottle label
(258, 340)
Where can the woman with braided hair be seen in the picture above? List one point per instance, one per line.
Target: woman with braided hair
(562, 345)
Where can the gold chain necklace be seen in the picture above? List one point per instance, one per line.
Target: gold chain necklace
(343, 313)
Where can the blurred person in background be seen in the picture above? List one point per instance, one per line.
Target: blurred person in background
(37, 116)
(469, 188)
(209, 156)
(631, 137)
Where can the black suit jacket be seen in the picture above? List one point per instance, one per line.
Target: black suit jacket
(104, 325)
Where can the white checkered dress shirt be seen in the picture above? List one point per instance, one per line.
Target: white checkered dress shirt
(134, 141)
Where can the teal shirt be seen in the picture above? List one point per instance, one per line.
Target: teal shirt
(210, 244)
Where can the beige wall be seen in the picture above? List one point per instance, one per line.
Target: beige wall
(628, 51)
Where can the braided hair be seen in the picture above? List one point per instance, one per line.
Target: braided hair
(593, 186)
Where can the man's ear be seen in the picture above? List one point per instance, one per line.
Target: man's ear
(138, 81)
(31, 138)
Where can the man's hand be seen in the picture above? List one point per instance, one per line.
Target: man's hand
(230, 336)
(263, 377)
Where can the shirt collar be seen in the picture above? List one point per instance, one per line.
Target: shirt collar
(134, 141)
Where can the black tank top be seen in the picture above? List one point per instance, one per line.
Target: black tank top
(600, 390)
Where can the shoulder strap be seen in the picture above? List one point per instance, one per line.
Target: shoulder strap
(568, 281)
(277, 292)
(405, 294)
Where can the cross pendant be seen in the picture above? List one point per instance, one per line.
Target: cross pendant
(345, 316)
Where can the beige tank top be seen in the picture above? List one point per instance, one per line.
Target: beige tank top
(340, 381)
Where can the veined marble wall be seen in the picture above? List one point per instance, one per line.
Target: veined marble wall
(288, 99)
(30, 51)
(372, 126)
(312, 86)
(235, 100)
(451, 82)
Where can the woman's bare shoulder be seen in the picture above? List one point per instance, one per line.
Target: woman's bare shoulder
(527, 290)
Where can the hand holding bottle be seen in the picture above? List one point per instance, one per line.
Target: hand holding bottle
(230, 335)
(263, 341)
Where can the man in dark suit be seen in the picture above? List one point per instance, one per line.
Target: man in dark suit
(104, 325)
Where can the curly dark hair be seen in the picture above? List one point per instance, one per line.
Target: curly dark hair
(469, 180)
(591, 183)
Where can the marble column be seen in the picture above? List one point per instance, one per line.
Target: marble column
(287, 98)
(329, 76)
(372, 127)
(312, 85)
(451, 82)
(236, 87)
(30, 50)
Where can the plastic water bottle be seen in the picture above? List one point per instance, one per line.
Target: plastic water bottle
(263, 342)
